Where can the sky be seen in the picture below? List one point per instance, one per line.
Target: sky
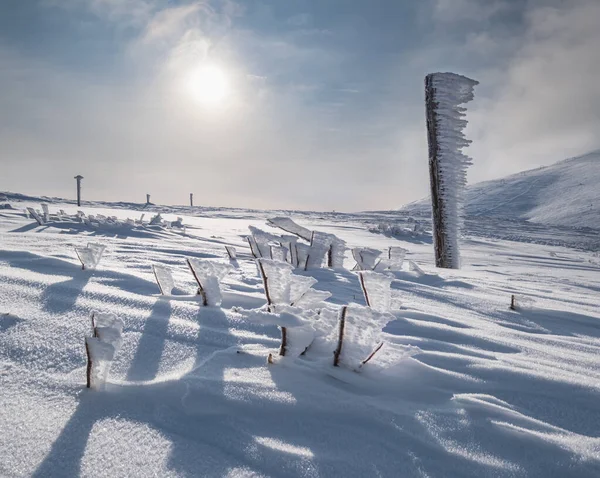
(284, 104)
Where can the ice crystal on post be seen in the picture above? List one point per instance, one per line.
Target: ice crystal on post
(90, 256)
(164, 279)
(102, 347)
(444, 95)
(358, 335)
(290, 226)
(365, 258)
(208, 275)
(377, 290)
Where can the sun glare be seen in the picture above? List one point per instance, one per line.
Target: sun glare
(209, 85)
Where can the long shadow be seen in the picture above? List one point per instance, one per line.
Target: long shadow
(66, 453)
(60, 297)
(7, 321)
(188, 454)
(550, 321)
(26, 227)
(146, 362)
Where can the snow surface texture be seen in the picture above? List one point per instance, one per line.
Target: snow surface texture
(446, 123)
(483, 391)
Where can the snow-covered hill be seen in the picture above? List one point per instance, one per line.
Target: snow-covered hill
(566, 194)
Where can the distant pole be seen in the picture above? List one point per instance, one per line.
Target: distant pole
(191, 199)
(147, 198)
(78, 178)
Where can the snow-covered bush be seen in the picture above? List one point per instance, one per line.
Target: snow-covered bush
(208, 275)
(90, 256)
(445, 93)
(412, 230)
(102, 347)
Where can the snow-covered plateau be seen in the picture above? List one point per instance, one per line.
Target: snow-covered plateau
(463, 386)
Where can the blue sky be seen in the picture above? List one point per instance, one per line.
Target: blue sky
(325, 106)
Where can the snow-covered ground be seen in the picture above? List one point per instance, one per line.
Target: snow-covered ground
(476, 390)
(563, 194)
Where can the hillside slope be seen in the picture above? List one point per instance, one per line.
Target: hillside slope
(564, 194)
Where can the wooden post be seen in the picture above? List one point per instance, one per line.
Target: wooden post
(513, 303)
(78, 178)
(364, 289)
(191, 199)
(147, 198)
(442, 258)
(342, 326)
(283, 341)
(269, 304)
(88, 372)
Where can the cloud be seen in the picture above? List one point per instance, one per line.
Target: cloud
(547, 104)
(451, 11)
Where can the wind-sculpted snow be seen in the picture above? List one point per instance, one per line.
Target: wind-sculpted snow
(462, 387)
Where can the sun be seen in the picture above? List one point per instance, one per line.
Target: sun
(209, 85)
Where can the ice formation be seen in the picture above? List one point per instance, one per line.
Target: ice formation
(164, 279)
(377, 290)
(445, 93)
(90, 256)
(102, 347)
(208, 275)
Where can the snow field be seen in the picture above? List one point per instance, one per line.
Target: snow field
(462, 387)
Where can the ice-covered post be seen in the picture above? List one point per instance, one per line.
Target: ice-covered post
(79, 178)
(191, 199)
(444, 95)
